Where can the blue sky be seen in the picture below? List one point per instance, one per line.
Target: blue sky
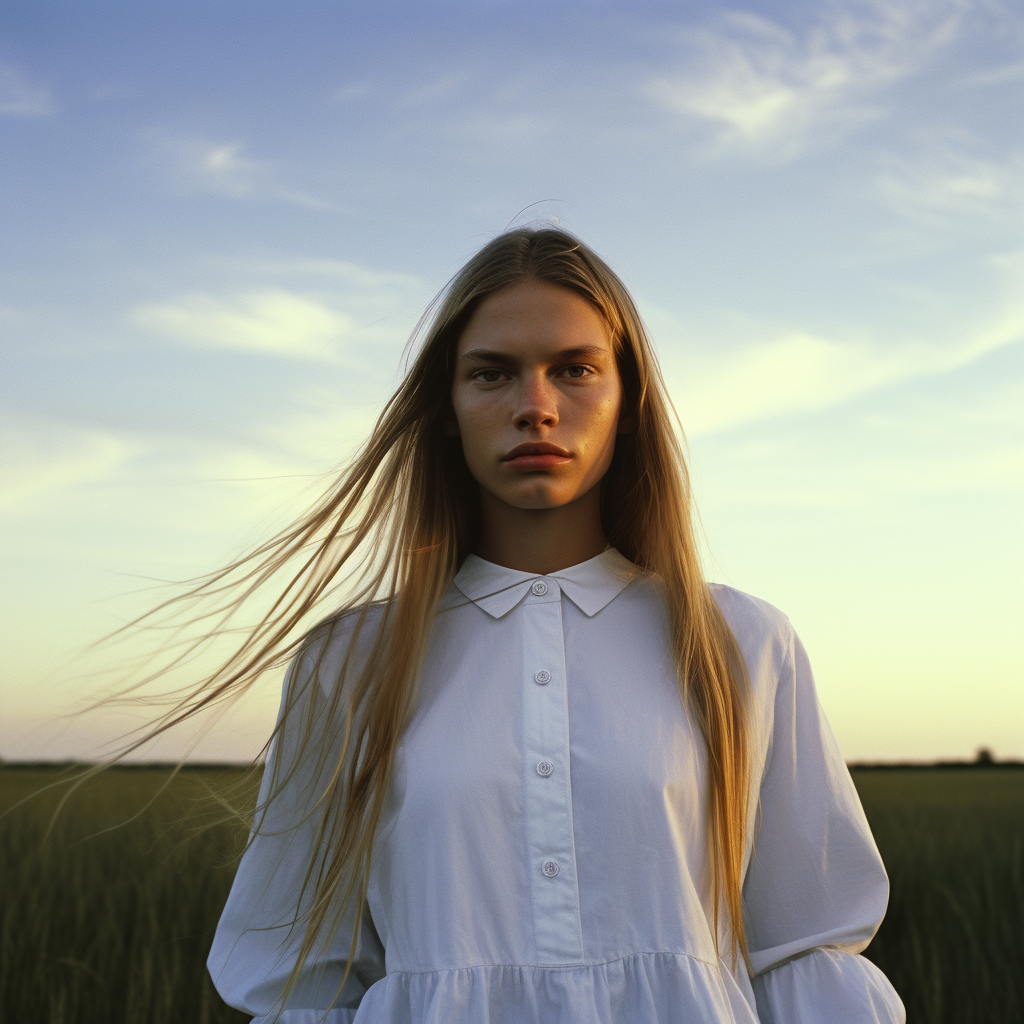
(222, 220)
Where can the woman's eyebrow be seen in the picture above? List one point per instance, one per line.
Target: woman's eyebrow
(487, 355)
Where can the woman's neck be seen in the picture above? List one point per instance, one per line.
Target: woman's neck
(540, 540)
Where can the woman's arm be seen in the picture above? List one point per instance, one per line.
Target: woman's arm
(815, 890)
(257, 940)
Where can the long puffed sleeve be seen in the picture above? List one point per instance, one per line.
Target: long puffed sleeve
(255, 946)
(815, 890)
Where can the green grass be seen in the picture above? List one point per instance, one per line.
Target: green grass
(952, 840)
(104, 927)
(109, 927)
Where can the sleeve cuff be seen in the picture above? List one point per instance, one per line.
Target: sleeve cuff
(337, 1016)
(827, 986)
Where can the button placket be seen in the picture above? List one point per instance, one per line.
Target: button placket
(547, 793)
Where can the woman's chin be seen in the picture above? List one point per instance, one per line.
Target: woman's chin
(535, 496)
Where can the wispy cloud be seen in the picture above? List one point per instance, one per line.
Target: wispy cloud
(493, 113)
(761, 87)
(795, 372)
(801, 373)
(21, 98)
(922, 440)
(41, 456)
(345, 274)
(327, 426)
(295, 307)
(353, 91)
(273, 321)
(438, 90)
(203, 165)
(500, 129)
(224, 167)
(1013, 72)
(946, 185)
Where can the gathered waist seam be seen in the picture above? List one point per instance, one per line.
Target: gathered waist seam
(564, 967)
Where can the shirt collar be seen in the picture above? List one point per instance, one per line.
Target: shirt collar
(590, 585)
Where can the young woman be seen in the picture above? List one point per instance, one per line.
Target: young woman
(536, 769)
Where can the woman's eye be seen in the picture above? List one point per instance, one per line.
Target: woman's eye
(576, 371)
(488, 376)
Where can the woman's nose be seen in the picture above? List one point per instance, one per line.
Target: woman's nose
(538, 403)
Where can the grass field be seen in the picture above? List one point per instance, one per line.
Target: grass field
(952, 840)
(111, 927)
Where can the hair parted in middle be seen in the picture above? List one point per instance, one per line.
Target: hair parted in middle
(391, 533)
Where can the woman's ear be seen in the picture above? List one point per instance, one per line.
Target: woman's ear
(451, 427)
(627, 424)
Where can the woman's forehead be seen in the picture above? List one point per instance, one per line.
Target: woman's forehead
(535, 315)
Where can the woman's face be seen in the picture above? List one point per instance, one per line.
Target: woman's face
(537, 395)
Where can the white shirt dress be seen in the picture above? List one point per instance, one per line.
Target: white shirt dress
(543, 855)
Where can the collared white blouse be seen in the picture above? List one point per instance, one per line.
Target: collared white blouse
(543, 854)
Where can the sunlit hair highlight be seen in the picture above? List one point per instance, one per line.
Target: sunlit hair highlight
(391, 533)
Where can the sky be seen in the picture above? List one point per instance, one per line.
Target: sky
(222, 220)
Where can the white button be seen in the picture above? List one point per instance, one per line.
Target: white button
(545, 768)
(550, 868)
(540, 588)
(543, 676)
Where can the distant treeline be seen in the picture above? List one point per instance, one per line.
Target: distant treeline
(904, 765)
(984, 758)
(121, 766)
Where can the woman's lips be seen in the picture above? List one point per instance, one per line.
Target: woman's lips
(537, 455)
(526, 462)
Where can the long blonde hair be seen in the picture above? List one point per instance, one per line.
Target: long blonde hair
(396, 526)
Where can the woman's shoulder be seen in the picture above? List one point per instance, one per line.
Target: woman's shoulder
(755, 623)
(338, 643)
(746, 608)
